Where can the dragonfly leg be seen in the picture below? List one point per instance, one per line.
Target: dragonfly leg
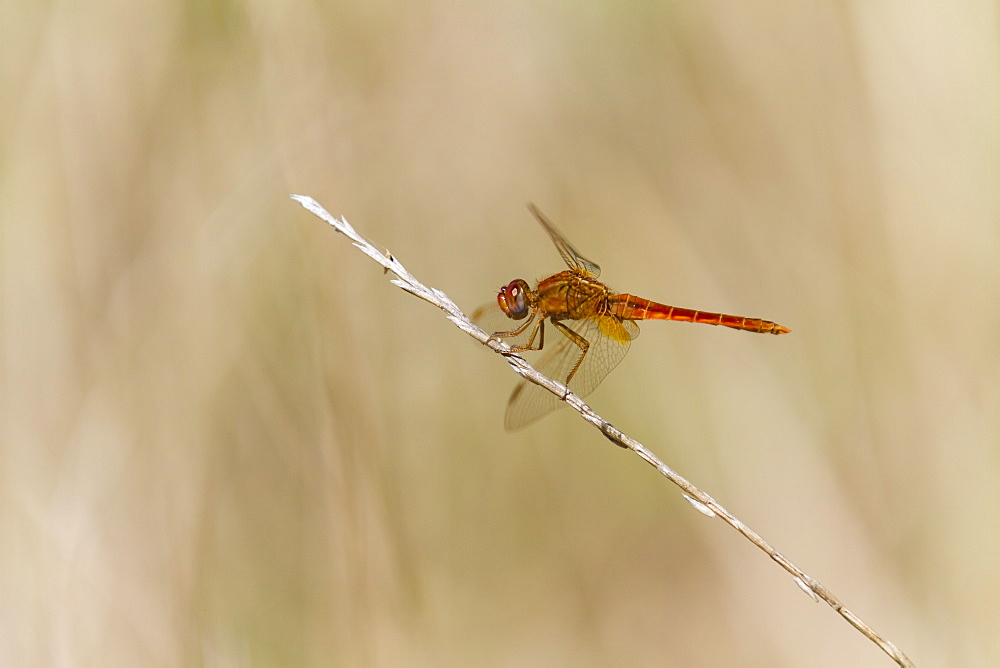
(579, 341)
(538, 331)
(515, 332)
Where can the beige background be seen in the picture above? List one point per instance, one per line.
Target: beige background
(227, 440)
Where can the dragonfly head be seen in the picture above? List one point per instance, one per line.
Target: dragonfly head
(514, 299)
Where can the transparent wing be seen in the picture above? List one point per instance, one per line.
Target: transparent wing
(569, 254)
(631, 328)
(609, 340)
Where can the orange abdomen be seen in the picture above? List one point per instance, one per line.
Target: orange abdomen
(630, 307)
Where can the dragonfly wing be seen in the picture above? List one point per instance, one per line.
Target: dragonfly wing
(631, 328)
(569, 254)
(529, 402)
(609, 340)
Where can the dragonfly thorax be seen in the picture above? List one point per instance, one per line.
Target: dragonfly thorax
(572, 295)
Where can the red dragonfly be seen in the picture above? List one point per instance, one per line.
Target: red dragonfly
(591, 327)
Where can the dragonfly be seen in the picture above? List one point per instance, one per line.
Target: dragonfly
(583, 327)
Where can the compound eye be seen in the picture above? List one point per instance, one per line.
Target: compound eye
(513, 301)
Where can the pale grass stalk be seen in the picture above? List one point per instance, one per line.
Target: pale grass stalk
(699, 499)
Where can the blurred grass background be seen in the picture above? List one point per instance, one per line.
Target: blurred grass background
(226, 440)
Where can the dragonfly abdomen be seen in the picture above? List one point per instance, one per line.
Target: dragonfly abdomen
(630, 307)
